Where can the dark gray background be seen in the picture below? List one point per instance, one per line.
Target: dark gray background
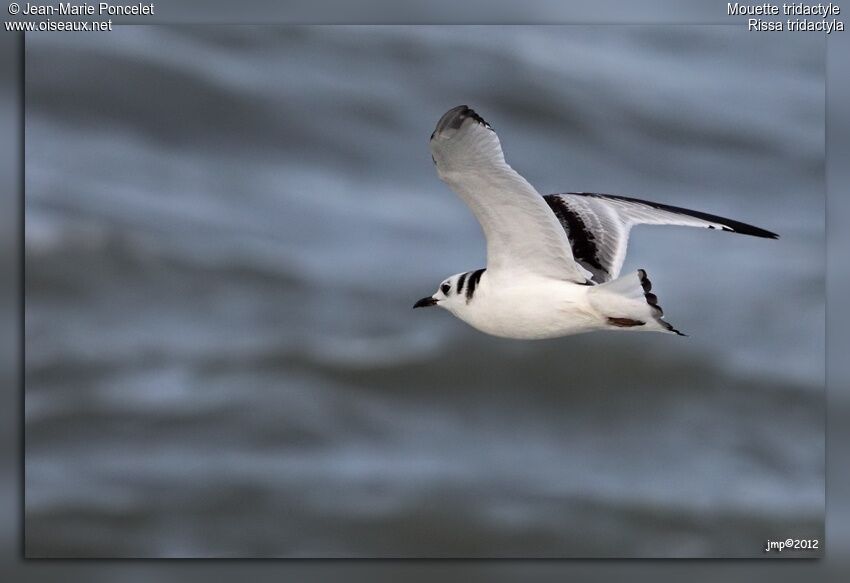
(838, 147)
(226, 228)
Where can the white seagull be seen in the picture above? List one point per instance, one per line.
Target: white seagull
(553, 262)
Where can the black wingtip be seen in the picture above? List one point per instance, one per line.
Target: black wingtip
(455, 117)
(745, 229)
(728, 225)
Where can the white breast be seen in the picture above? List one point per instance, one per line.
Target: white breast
(532, 308)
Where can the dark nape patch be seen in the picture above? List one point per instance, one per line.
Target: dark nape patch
(624, 322)
(460, 282)
(582, 240)
(473, 283)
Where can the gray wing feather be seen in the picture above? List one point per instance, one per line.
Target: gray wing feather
(598, 226)
(523, 236)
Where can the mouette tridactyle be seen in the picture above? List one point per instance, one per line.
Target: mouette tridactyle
(553, 262)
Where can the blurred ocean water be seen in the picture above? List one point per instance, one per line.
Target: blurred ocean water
(226, 228)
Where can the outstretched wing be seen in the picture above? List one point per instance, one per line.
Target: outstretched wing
(523, 236)
(598, 226)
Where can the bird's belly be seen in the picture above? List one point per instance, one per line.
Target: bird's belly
(534, 314)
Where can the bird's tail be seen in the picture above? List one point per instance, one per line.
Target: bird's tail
(628, 303)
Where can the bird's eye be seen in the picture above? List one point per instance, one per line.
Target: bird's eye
(445, 288)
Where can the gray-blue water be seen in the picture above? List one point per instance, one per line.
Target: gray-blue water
(226, 228)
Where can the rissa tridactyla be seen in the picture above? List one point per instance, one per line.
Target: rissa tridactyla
(553, 262)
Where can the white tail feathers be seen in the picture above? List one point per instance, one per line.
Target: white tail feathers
(628, 302)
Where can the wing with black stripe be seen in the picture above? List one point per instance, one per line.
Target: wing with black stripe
(523, 237)
(598, 226)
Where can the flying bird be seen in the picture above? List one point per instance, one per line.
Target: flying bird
(553, 262)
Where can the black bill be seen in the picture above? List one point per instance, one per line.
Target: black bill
(425, 303)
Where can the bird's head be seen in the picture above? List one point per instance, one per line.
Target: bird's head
(449, 295)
